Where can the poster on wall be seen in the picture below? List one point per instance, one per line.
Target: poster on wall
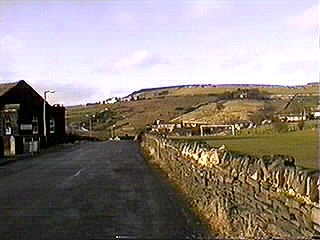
(25, 127)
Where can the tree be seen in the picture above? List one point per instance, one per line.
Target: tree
(301, 124)
(258, 117)
(279, 126)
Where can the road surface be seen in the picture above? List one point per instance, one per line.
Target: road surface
(94, 190)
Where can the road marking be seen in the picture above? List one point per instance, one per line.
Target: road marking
(124, 237)
(77, 173)
(69, 179)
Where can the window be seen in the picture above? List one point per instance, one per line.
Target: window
(35, 126)
(7, 126)
(52, 125)
(9, 119)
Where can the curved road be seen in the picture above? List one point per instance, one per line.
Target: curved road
(95, 190)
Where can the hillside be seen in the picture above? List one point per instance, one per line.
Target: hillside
(201, 103)
(270, 90)
(205, 89)
(225, 112)
(132, 117)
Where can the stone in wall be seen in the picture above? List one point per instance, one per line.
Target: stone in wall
(314, 183)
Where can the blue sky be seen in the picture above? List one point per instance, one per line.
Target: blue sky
(91, 50)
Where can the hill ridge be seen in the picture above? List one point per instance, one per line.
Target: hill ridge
(143, 90)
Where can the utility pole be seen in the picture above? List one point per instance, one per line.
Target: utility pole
(112, 130)
(303, 110)
(90, 126)
(90, 123)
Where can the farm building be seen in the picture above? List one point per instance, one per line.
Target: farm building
(293, 117)
(22, 121)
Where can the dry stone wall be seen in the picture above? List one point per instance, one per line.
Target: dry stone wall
(241, 195)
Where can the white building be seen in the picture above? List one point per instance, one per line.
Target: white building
(111, 100)
(292, 117)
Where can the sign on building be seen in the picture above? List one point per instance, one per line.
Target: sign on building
(25, 127)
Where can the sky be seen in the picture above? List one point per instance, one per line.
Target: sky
(88, 51)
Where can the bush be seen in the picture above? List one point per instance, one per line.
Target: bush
(190, 109)
(220, 106)
(279, 126)
(301, 124)
(258, 117)
(179, 108)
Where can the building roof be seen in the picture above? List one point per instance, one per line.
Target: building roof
(5, 87)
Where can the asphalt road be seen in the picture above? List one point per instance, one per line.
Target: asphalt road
(95, 190)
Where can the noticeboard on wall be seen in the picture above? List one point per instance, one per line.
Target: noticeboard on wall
(25, 127)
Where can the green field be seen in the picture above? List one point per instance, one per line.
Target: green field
(302, 145)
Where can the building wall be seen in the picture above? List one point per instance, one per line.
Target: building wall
(58, 113)
(240, 195)
(31, 105)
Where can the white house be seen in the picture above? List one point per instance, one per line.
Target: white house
(126, 99)
(316, 112)
(111, 100)
(292, 117)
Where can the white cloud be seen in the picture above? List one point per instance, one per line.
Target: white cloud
(124, 18)
(9, 49)
(275, 65)
(141, 58)
(302, 66)
(307, 20)
(202, 8)
(73, 92)
(10, 45)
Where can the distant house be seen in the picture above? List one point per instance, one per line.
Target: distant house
(316, 112)
(243, 95)
(316, 115)
(93, 104)
(21, 120)
(112, 100)
(292, 117)
(126, 99)
(160, 125)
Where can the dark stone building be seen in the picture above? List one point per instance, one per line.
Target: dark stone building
(21, 120)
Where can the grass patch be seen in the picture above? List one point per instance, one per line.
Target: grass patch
(302, 145)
